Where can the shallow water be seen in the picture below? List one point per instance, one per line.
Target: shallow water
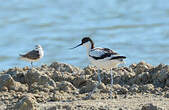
(136, 29)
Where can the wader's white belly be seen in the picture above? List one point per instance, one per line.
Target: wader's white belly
(104, 63)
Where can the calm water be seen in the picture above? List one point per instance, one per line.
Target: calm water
(138, 29)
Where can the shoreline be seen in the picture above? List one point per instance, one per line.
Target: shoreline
(64, 86)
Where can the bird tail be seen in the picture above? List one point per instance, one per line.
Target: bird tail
(21, 56)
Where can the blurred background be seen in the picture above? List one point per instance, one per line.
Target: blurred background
(138, 29)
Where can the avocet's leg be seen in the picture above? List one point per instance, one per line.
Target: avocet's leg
(98, 83)
(32, 64)
(98, 76)
(111, 83)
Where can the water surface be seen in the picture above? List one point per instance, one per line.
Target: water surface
(136, 29)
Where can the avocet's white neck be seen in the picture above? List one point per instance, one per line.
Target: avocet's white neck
(88, 46)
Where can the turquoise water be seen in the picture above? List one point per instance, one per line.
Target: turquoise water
(138, 29)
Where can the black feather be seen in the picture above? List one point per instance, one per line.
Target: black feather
(31, 55)
(118, 57)
(102, 56)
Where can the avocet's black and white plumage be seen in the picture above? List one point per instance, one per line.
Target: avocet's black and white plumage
(101, 57)
(33, 55)
(105, 58)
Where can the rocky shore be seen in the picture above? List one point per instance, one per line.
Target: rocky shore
(62, 86)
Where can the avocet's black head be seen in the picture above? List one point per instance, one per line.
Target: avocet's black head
(86, 41)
